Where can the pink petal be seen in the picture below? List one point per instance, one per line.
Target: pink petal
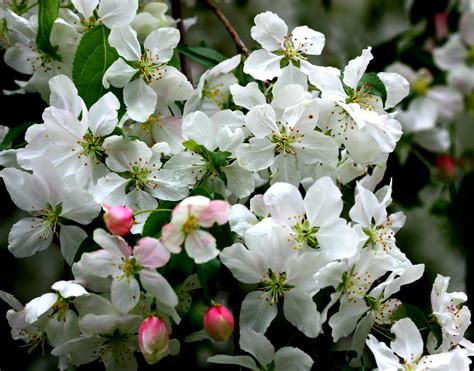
(172, 237)
(151, 253)
(216, 212)
(201, 246)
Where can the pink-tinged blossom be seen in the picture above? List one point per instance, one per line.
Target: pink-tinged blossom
(188, 216)
(153, 339)
(118, 219)
(219, 322)
(124, 264)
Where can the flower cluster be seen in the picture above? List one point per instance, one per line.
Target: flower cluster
(242, 173)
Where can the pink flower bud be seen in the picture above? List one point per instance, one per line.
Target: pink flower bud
(441, 24)
(153, 339)
(118, 219)
(445, 166)
(219, 323)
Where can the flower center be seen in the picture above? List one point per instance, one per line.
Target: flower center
(92, 147)
(355, 284)
(190, 225)
(421, 86)
(275, 284)
(214, 94)
(305, 235)
(131, 267)
(139, 177)
(60, 308)
(148, 69)
(284, 142)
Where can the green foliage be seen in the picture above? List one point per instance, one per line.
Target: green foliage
(47, 14)
(206, 56)
(93, 57)
(157, 219)
(373, 85)
(208, 274)
(15, 133)
(217, 159)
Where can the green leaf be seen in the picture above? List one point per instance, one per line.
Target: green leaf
(199, 191)
(196, 148)
(373, 85)
(93, 57)
(218, 158)
(47, 14)
(157, 219)
(15, 133)
(202, 55)
(178, 268)
(208, 274)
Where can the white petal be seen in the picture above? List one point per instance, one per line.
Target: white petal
(285, 169)
(247, 96)
(323, 202)
(261, 121)
(397, 88)
(156, 285)
(118, 74)
(290, 75)
(70, 238)
(257, 312)
(239, 180)
(269, 30)
(125, 293)
(103, 115)
(247, 266)
(452, 54)
(85, 7)
(258, 154)
(201, 246)
(171, 86)
(307, 40)
(29, 236)
(140, 100)
(64, 95)
(325, 79)
(408, 343)
(364, 208)
(199, 127)
(124, 38)
(263, 65)
(23, 190)
(384, 356)
(289, 358)
(338, 240)
(117, 12)
(39, 306)
(466, 27)
(257, 345)
(356, 68)
(165, 185)
(69, 289)
(300, 310)
(100, 263)
(160, 43)
(244, 361)
(78, 205)
(344, 322)
(285, 202)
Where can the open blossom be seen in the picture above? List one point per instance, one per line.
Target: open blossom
(110, 12)
(45, 196)
(188, 216)
(279, 45)
(406, 352)
(155, 77)
(124, 264)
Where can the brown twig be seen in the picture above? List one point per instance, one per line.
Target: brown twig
(233, 33)
(177, 15)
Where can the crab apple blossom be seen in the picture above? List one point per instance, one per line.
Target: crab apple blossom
(218, 322)
(187, 218)
(153, 339)
(118, 260)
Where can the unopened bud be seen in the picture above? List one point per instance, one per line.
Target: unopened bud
(118, 219)
(219, 323)
(446, 167)
(153, 339)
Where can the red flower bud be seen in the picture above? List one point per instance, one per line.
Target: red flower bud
(118, 219)
(153, 339)
(219, 323)
(446, 167)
